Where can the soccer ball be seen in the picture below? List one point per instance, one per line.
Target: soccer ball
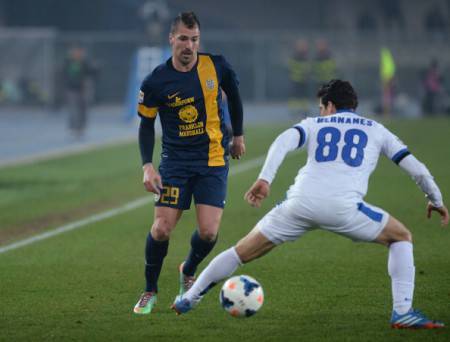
(241, 296)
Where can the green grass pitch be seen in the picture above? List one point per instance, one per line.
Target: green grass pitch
(82, 285)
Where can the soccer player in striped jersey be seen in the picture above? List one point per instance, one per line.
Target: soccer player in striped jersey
(343, 149)
(186, 93)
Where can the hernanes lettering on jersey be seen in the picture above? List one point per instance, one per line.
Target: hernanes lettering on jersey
(189, 105)
(343, 151)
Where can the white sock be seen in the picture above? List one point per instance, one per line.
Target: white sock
(401, 269)
(219, 268)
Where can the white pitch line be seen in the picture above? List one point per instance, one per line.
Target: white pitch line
(241, 167)
(248, 165)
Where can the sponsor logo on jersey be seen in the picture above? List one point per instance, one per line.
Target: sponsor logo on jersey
(141, 96)
(179, 102)
(170, 97)
(188, 114)
(192, 129)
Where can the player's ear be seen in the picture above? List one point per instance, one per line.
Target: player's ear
(171, 38)
(331, 107)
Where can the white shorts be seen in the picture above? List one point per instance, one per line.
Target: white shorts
(294, 217)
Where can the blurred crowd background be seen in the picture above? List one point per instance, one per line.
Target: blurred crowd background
(396, 52)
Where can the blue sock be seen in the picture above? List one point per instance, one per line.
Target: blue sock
(199, 250)
(155, 252)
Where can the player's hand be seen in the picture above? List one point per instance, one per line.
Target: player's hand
(237, 147)
(258, 191)
(152, 179)
(442, 211)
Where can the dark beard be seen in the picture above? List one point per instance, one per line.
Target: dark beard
(185, 62)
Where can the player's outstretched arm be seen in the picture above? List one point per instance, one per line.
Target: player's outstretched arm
(257, 192)
(426, 183)
(441, 210)
(283, 144)
(152, 179)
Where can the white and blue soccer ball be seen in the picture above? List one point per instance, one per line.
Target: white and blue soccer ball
(241, 296)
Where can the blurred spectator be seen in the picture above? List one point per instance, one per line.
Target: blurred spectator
(78, 76)
(154, 14)
(387, 77)
(300, 77)
(31, 92)
(324, 65)
(432, 82)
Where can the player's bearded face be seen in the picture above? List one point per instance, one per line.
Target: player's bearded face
(185, 44)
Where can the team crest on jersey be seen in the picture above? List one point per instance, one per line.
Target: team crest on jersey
(210, 84)
(141, 96)
(188, 114)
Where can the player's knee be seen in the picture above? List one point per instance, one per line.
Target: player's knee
(405, 235)
(394, 231)
(243, 253)
(208, 235)
(247, 255)
(160, 234)
(401, 233)
(161, 229)
(397, 236)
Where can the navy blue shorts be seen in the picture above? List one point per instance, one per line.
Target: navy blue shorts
(207, 184)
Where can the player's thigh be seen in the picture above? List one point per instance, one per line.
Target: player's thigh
(164, 222)
(253, 245)
(208, 219)
(394, 231)
(210, 186)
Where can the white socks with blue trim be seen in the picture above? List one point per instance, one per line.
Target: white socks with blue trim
(222, 266)
(401, 269)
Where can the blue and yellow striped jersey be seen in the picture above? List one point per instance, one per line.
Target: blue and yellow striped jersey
(189, 105)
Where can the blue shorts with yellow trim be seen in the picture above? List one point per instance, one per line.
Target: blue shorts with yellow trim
(207, 184)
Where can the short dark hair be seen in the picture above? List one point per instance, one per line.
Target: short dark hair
(189, 19)
(340, 93)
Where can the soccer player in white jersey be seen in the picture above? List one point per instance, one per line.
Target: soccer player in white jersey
(343, 150)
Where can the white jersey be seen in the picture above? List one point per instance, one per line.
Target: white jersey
(343, 150)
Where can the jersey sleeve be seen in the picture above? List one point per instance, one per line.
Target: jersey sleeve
(229, 78)
(147, 102)
(146, 139)
(392, 147)
(287, 141)
(423, 179)
(302, 128)
(230, 85)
